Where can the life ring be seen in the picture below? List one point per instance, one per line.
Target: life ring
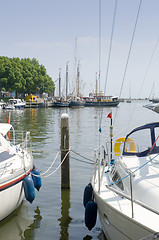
(121, 140)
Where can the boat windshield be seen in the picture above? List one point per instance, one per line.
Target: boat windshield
(142, 141)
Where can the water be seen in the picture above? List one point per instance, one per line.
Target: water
(57, 214)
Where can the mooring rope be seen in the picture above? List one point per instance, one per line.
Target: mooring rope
(81, 155)
(79, 160)
(51, 164)
(68, 151)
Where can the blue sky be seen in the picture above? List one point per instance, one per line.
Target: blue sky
(46, 30)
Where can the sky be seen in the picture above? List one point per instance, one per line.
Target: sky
(47, 30)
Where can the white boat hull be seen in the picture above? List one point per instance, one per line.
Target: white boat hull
(118, 226)
(10, 199)
(16, 162)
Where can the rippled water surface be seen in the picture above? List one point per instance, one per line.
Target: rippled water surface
(57, 214)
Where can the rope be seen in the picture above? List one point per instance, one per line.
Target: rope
(50, 165)
(155, 47)
(154, 235)
(91, 163)
(110, 47)
(112, 183)
(131, 43)
(82, 156)
(69, 150)
(58, 166)
(130, 48)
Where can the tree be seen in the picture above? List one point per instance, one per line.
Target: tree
(24, 76)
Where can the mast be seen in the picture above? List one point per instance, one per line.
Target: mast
(77, 80)
(75, 69)
(59, 82)
(96, 91)
(66, 81)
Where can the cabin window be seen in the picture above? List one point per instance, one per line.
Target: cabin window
(156, 136)
(117, 180)
(138, 142)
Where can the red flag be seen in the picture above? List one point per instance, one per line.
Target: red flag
(109, 115)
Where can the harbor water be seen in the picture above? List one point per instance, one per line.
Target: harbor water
(55, 213)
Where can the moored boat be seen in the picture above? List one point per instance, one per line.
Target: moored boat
(76, 103)
(16, 163)
(15, 104)
(58, 104)
(125, 186)
(101, 101)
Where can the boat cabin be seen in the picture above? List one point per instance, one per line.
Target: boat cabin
(148, 135)
(31, 98)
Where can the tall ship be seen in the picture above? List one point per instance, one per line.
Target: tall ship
(76, 100)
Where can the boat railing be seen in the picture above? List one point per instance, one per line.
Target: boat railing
(21, 140)
(99, 168)
(132, 200)
(100, 163)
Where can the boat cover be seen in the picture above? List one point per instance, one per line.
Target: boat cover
(4, 128)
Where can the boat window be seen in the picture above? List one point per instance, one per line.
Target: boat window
(156, 136)
(138, 143)
(117, 180)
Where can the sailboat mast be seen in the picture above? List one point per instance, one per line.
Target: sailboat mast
(96, 91)
(66, 81)
(77, 83)
(99, 43)
(75, 67)
(59, 82)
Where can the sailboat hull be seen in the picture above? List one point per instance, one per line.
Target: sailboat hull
(75, 104)
(118, 226)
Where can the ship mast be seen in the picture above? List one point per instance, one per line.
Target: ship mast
(66, 81)
(77, 80)
(59, 82)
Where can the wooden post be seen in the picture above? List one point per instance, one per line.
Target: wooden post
(65, 146)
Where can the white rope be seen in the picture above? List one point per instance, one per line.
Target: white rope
(50, 165)
(43, 174)
(58, 166)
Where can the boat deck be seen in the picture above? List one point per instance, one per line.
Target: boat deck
(123, 206)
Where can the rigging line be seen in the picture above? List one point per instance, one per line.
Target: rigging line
(130, 48)
(99, 42)
(110, 47)
(127, 61)
(148, 67)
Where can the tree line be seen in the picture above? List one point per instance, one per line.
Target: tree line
(24, 76)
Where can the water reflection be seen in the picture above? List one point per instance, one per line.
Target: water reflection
(29, 233)
(65, 218)
(19, 226)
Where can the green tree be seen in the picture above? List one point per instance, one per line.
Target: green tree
(24, 76)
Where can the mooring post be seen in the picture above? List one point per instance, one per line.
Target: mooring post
(65, 154)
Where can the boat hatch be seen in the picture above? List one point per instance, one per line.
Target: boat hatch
(144, 139)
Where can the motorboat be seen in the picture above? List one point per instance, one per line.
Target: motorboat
(125, 186)
(2, 104)
(15, 104)
(16, 164)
